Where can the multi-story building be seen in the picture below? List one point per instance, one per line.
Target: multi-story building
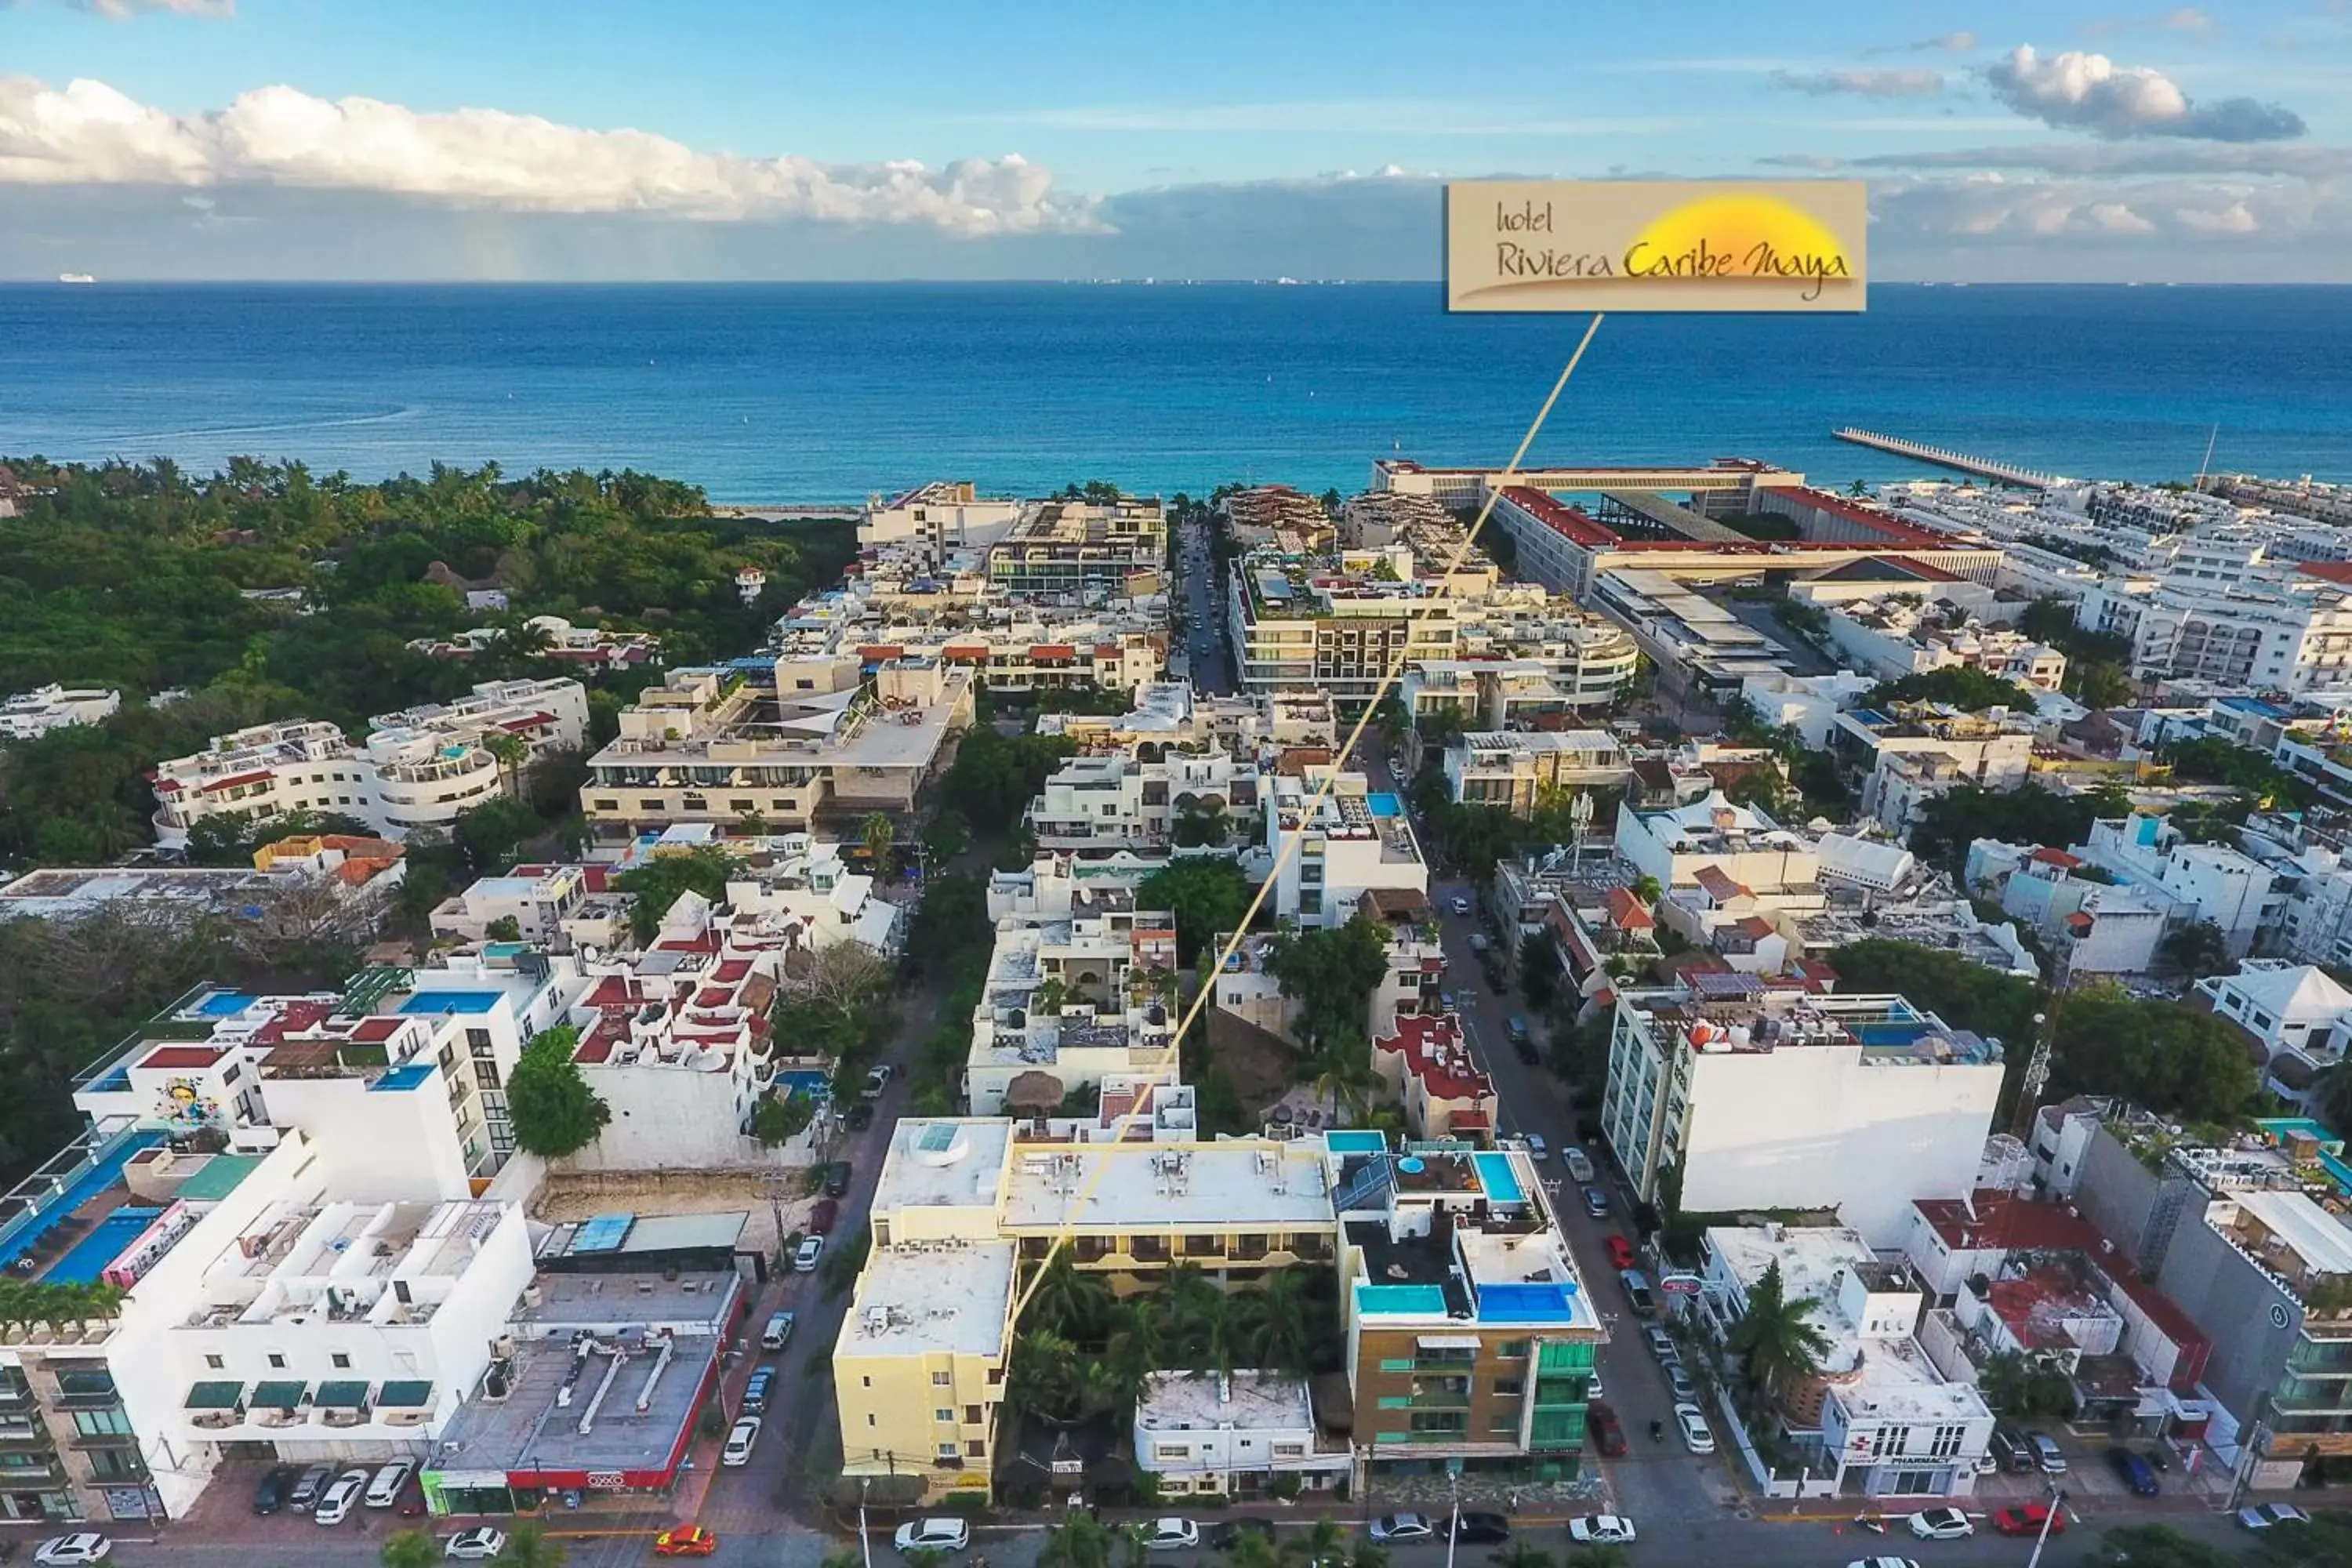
(1939, 749)
(1731, 1093)
(2296, 1013)
(302, 885)
(1296, 622)
(54, 707)
(1897, 637)
(1353, 839)
(1877, 1415)
(1067, 547)
(1074, 999)
(1427, 1065)
(783, 743)
(419, 769)
(1675, 843)
(1234, 1435)
(1514, 770)
(539, 899)
(936, 518)
(586, 647)
(1120, 801)
(1470, 1333)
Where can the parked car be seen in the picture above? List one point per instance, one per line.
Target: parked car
(685, 1541)
(835, 1182)
(1515, 1029)
(1481, 1529)
(1172, 1535)
(2046, 1453)
(778, 1334)
(1621, 1252)
(1226, 1533)
(1608, 1432)
(412, 1500)
(940, 1532)
(1523, 1048)
(1579, 1163)
(1661, 1343)
(755, 1393)
(2015, 1454)
(1460, 905)
(335, 1504)
(1496, 985)
(2262, 1516)
(1479, 944)
(1445, 1001)
(476, 1545)
(1395, 1529)
(384, 1489)
(1941, 1524)
(1601, 1529)
(823, 1217)
(861, 1116)
(2026, 1518)
(1679, 1384)
(66, 1551)
(805, 1256)
(1537, 1148)
(1882, 1563)
(739, 1439)
(307, 1486)
(270, 1492)
(1637, 1293)
(877, 1079)
(2134, 1469)
(1697, 1437)
(1596, 1201)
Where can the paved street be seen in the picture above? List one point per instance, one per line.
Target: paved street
(1205, 641)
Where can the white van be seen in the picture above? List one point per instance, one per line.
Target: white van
(342, 1498)
(384, 1490)
(779, 1330)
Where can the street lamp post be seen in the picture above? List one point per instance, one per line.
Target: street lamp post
(864, 1541)
(2057, 1502)
(1454, 1518)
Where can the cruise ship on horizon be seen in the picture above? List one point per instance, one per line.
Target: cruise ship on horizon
(76, 278)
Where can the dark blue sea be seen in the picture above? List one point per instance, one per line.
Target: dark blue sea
(820, 393)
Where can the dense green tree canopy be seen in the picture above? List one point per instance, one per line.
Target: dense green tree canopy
(994, 776)
(2171, 1059)
(1956, 684)
(2029, 814)
(1331, 974)
(1208, 896)
(1965, 995)
(657, 883)
(555, 1112)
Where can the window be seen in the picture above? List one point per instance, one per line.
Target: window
(340, 1358)
(944, 1415)
(973, 1416)
(1947, 1441)
(942, 1379)
(869, 1420)
(1510, 1387)
(215, 1363)
(1512, 1350)
(1171, 1450)
(975, 1448)
(947, 1450)
(1290, 1450)
(1887, 1441)
(101, 1423)
(98, 1383)
(277, 1361)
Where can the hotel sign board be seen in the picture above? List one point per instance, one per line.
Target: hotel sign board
(1655, 245)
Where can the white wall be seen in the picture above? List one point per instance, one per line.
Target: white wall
(1812, 1127)
(668, 1118)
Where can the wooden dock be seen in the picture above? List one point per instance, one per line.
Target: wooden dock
(1944, 457)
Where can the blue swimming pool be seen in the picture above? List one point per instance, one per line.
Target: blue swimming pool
(1496, 1175)
(1384, 805)
(89, 1184)
(804, 1080)
(102, 1247)
(223, 1005)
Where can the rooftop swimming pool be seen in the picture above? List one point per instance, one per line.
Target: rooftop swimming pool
(223, 1005)
(1496, 1175)
(104, 1243)
(1384, 805)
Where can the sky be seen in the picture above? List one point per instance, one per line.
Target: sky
(575, 140)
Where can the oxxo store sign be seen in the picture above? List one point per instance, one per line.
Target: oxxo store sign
(1655, 245)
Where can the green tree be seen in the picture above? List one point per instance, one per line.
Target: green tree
(1069, 1301)
(1331, 974)
(1594, 1557)
(1207, 896)
(2029, 814)
(1963, 994)
(1778, 1343)
(657, 883)
(555, 1112)
(510, 751)
(781, 1117)
(947, 835)
(2196, 949)
(530, 1546)
(2159, 1546)
(1959, 685)
(1080, 1541)
(2332, 1098)
(2026, 1390)
(1321, 1544)
(409, 1549)
(2169, 1058)
(1540, 970)
(878, 836)
(1520, 1553)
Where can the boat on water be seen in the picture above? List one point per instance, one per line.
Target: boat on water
(76, 278)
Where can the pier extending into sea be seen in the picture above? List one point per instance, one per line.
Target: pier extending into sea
(1944, 457)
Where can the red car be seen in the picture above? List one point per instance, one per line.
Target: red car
(1607, 1433)
(822, 1217)
(2026, 1519)
(685, 1541)
(1621, 1255)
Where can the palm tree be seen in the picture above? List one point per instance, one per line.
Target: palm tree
(1067, 1301)
(1595, 1557)
(1324, 1544)
(2332, 1098)
(843, 1559)
(1275, 1322)
(1776, 1339)
(1138, 1350)
(1042, 1378)
(1080, 1541)
(1520, 1553)
(512, 752)
(408, 1549)
(1341, 1073)
(878, 835)
(1251, 1550)
(530, 1546)
(1366, 1555)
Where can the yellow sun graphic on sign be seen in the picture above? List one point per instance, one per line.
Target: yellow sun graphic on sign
(1738, 236)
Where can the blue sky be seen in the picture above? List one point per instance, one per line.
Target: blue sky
(735, 138)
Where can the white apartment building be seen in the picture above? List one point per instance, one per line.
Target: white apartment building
(419, 769)
(1515, 769)
(1075, 1001)
(1228, 1434)
(539, 899)
(1732, 1094)
(1354, 839)
(1066, 547)
(1118, 802)
(2200, 881)
(1054, 884)
(1879, 1417)
(2301, 1017)
(1675, 844)
(587, 648)
(2091, 926)
(54, 707)
(938, 518)
(780, 742)
(1295, 622)
(2261, 636)
(1809, 704)
(1900, 636)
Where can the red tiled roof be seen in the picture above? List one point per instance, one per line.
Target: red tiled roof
(1756, 926)
(182, 1057)
(2328, 571)
(1436, 1054)
(2047, 856)
(378, 1029)
(529, 722)
(263, 777)
(1569, 523)
(1720, 884)
(1627, 912)
(1998, 1221)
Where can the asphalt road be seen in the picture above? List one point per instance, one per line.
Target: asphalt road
(1206, 640)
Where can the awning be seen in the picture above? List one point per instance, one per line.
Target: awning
(1448, 1342)
(279, 1395)
(216, 1396)
(344, 1395)
(405, 1396)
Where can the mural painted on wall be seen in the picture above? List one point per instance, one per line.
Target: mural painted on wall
(187, 1108)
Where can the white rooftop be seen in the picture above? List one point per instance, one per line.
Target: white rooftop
(1240, 1184)
(2316, 1236)
(1189, 1402)
(944, 1162)
(946, 1297)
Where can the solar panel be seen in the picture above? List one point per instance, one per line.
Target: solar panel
(604, 1234)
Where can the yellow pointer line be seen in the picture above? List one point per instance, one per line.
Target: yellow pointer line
(1168, 1058)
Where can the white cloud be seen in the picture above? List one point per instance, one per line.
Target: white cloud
(88, 133)
(2231, 219)
(2087, 91)
(2116, 218)
(1863, 83)
(2185, 19)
